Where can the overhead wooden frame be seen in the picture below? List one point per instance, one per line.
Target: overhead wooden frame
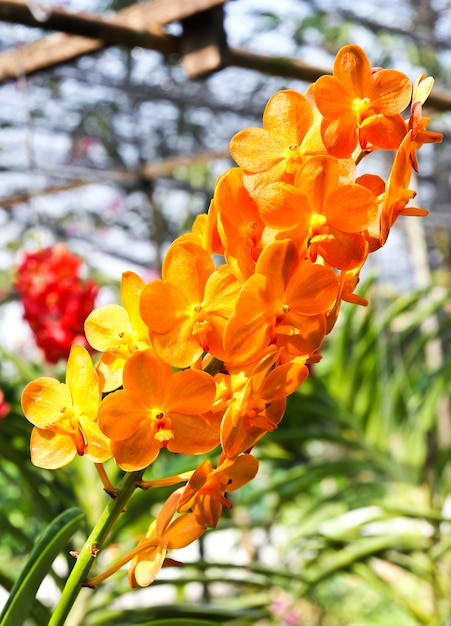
(141, 25)
(202, 47)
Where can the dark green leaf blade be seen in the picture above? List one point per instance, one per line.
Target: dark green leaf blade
(52, 541)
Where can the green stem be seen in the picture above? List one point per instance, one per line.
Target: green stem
(93, 544)
(213, 366)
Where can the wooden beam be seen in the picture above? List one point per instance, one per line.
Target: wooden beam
(81, 33)
(203, 46)
(142, 14)
(438, 100)
(147, 172)
(60, 48)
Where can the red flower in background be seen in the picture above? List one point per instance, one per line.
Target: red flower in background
(56, 300)
(4, 406)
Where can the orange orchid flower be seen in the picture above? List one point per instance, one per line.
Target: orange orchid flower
(393, 196)
(417, 123)
(248, 417)
(283, 303)
(258, 401)
(397, 194)
(65, 415)
(186, 312)
(391, 135)
(157, 409)
(205, 491)
(275, 151)
(349, 281)
(163, 534)
(353, 98)
(382, 131)
(331, 215)
(420, 134)
(376, 185)
(204, 233)
(239, 224)
(118, 331)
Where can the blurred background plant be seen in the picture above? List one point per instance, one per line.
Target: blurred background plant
(347, 522)
(349, 519)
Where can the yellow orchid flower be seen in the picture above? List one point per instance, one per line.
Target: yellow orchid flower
(118, 331)
(164, 533)
(64, 415)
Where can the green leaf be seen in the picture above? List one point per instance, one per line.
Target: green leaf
(392, 591)
(180, 622)
(52, 541)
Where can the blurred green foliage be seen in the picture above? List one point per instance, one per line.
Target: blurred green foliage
(347, 522)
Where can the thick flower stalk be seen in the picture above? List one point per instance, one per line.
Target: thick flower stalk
(203, 359)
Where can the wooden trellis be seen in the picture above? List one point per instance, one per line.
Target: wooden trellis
(202, 47)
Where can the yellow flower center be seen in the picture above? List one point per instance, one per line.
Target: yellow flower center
(317, 221)
(68, 424)
(293, 158)
(360, 106)
(162, 426)
(199, 319)
(127, 344)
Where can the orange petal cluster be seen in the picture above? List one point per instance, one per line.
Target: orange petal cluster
(156, 409)
(203, 359)
(360, 105)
